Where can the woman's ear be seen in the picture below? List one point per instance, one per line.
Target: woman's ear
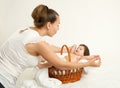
(48, 25)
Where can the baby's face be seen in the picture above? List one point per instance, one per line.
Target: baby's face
(80, 51)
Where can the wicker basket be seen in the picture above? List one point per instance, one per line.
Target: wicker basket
(66, 76)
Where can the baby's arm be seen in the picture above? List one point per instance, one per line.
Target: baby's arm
(73, 48)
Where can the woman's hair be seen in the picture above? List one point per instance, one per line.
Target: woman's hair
(42, 14)
(86, 51)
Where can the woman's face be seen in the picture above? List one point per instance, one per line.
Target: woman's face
(80, 51)
(54, 27)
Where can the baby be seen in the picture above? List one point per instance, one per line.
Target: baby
(80, 54)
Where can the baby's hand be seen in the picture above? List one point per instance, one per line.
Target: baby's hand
(73, 48)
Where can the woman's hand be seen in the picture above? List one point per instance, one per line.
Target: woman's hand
(95, 62)
(44, 65)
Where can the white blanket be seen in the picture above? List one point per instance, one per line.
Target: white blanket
(36, 78)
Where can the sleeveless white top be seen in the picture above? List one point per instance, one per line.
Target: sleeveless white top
(14, 58)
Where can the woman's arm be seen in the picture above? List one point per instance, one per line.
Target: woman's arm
(47, 52)
(44, 65)
(56, 48)
(90, 57)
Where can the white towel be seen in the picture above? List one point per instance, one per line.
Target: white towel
(28, 84)
(36, 78)
(26, 79)
(44, 81)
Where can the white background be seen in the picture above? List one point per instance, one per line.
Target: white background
(95, 23)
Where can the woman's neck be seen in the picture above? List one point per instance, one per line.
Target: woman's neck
(41, 31)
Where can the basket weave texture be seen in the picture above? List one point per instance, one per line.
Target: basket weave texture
(65, 76)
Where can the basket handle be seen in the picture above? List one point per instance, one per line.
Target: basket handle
(68, 51)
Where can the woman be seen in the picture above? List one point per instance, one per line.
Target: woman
(23, 49)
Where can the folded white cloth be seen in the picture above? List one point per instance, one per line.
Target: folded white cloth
(26, 79)
(37, 78)
(44, 81)
(29, 84)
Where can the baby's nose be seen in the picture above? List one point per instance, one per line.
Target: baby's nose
(76, 50)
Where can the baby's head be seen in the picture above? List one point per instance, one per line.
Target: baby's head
(82, 50)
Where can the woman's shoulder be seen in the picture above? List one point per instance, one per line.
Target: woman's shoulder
(30, 36)
(28, 31)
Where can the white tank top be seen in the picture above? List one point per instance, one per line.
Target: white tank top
(14, 58)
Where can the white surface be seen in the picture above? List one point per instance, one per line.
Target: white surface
(107, 76)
